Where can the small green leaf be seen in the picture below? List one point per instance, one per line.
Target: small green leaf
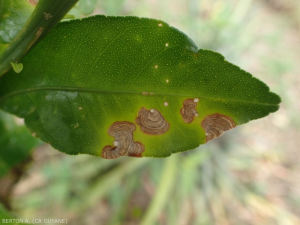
(18, 67)
(16, 143)
(69, 17)
(131, 86)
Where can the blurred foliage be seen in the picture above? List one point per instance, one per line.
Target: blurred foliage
(13, 16)
(16, 143)
(248, 176)
(83, 8)
(4, 214)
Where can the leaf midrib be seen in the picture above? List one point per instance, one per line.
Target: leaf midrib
(91, 90)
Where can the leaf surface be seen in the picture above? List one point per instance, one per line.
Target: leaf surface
(126, 85)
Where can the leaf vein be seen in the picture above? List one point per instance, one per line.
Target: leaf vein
(80, 89)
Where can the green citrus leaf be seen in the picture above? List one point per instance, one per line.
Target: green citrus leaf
(2, 48)
(130, 86)
(16, 143)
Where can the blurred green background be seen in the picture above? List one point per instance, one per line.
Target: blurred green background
(250, 175)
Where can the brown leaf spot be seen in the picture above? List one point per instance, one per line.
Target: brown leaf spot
(188, 110)
(139, 155)
(39, 32)
(216, 124)
(33, 2)
(37, 35)
(124, 143)
(152, 122)
(47, 16)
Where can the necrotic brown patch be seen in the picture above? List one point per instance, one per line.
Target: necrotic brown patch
(124, 143)
(216, 124)
(33, 2)
(152, 122)
(188, 110)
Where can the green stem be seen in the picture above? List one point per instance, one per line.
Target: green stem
(163, 191)
(46, 15)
